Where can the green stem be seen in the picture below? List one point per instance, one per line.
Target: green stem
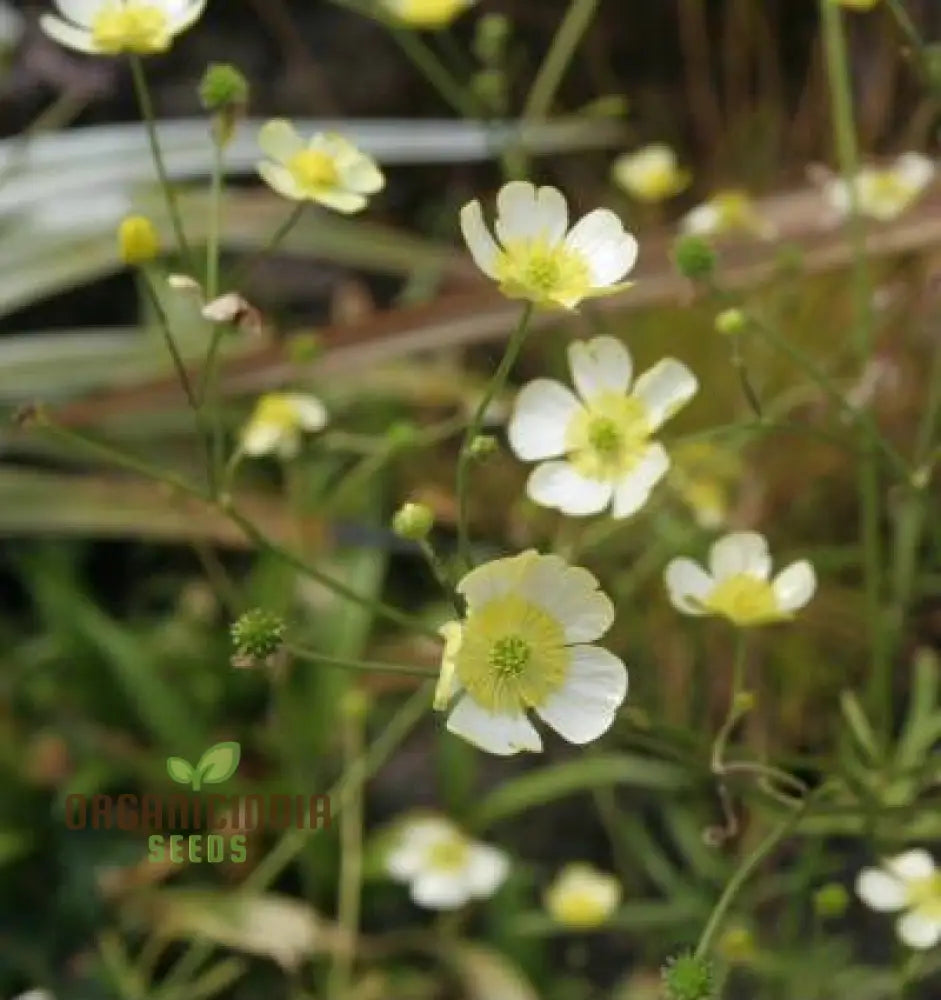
(465, 458)
(912, 36)
(361, 666)
(215, 218)
(440, 573)
(150, 122)
(576, 22)
(270, 245)
(735, 712)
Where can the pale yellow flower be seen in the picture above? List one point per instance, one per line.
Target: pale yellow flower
(538, 258)
(909, 883)
(727, 212)
(651, 174)
(427, 13)
(112, 27)
(328, 169)
(278, 423)
(581, 897)
(884, 193)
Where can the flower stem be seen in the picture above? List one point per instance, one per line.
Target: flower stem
(150, 122)
(215, 218)
(361, 666)
(465, 458)
(269, 247)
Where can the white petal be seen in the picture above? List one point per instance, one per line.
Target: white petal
(541, 417)
(481, 244)
(837, 195)
(633, 491)
(525, 212)
(487, 870)
(311, 413)
(261, 439)
(664, 389)
(586, 706)
(494, 579)
(608, 250)
(448, 683)
(795, 586)
(558, 485)
(912, 866)
(915, 170)
(688, 585)
(363, 176)
(67, 34)
(881, 891)
(600, 365)
(503, 735)
(346, 202)
(281, 180)
(279, 139)
(188, 15)
(80, 12)
(740, 552)
(436, 890)
(701, 221)
(569, 594)
(919, 931)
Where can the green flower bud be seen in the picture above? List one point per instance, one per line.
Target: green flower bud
(694, 258)
(223, 88)
(736, 945)
(831, 900)
(744, 702)
(402, 434)
(138, 240)
(686, 977)
(258, 635)
(413, 522)
(493, 32)
(731, 322)
(484, 446)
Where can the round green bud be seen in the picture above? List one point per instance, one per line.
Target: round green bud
(413, 522)
(831, 900)
(401, 434)
(687, 977)
(731, 322)
(258, 634)
(493, 32)
(694, 258)
(484, 446)
(223, 88)
(489, 86)
(744, 702)
(736, 945)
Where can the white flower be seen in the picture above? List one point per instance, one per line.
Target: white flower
(427, 13)
(538, 257)
(651, 174)
(909, 882)
(444, 868)
(524, 644)
(328, 169)
(582, 897)
(278, 422)
(740, 587)
(731, 211)
(110, 27)
(599, 440)
(883, 193)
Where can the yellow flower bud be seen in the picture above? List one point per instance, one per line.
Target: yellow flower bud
(138, 240)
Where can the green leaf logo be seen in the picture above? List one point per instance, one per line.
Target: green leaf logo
(216, 765)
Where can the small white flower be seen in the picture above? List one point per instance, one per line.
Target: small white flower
(582, 897)
(599, 440)
(884, 193)
(739, 585)
(909, 882)
(427, 13)
(538, 258)
(651, 174)
(731, 211)
(328, 169)
(110, 27)
(525, 644)
(278, 423)
(444, 868)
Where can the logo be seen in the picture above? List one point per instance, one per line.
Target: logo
(216, 765)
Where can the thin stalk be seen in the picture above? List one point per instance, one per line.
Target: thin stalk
(465, 458)
(440, 573)
(146, 105)
(270, 245)
(360, 666)
(215, 217)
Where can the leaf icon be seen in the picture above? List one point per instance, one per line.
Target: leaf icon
(218, 764)
(180, 771)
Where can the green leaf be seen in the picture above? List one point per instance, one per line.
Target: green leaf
(556, 782)
(180, 770)
(219, 763)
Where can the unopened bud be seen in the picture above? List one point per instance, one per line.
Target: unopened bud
(731, 322)
(694, 258)
(138, 240)
(688, 977)
(413, 522)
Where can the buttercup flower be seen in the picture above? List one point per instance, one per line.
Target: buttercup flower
(328, 169)
(731, 211)
(427, 13)
(651, 174)
(538, 258)
(582, 897)
(739, 585)
(599, 441)
(444, 868)
(110, 27)
(884, 193)
(524, 644)
(278, 423)
(909, 882)
(703, 475)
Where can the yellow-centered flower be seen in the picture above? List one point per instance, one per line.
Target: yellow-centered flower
(581, 897)
(600, 441)
(651, 174)
(738, 585)
(113, 27)
(427, 13)
(278, 423)
(538, 258)
(524, 644)
(909, 883)
(328, 169)
(884, 193)
(727, 212)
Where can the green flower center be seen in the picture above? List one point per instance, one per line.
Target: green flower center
(543, 273)
(313, 169)
(142, 28)
(608, 438)
(605, 437)
(509, 655)
(745, 600)
(448, 855)
(924, 895)
(276, 411)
